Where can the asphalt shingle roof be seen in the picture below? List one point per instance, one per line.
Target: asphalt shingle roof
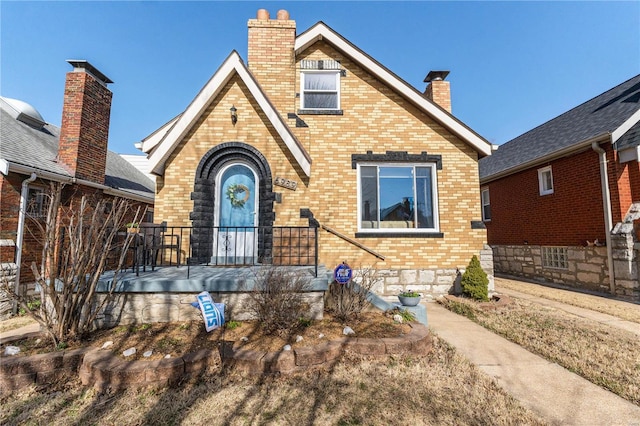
(37, 148)
(604, 113)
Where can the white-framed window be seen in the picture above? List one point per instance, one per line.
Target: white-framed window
(397, 197)
(36, 202)
(545, 180)
(554, 257)
(486, 205)
(320, 90)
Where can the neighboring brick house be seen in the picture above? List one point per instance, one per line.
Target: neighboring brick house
(313, 130)
(34, 153)
(560, 201)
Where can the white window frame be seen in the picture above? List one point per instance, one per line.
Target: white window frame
(434, 189)
(303, 73)
(36, 202)
(544, 190)
(485, 203)
(554, 257)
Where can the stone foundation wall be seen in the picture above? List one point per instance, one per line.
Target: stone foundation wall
(587, 266)
(140, 308)
(430, 282)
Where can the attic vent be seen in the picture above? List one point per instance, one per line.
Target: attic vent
(322, 64)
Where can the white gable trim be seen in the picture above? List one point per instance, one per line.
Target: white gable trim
(321, 31)
(624, 128)
(233, 64)
(151, 141)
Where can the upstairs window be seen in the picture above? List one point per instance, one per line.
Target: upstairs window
(486, 206)
(545, 180)
(398, 198)
(320, 90)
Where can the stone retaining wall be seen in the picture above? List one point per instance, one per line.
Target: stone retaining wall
(103, 370)
(8, 272)
(587, 266)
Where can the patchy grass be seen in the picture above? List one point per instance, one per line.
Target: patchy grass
(602, 354)
(15, 322)
(617, 308)
(442, 388)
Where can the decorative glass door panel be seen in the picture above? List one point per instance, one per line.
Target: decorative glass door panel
(235, 236)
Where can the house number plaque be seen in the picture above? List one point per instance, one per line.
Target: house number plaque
(286, 183)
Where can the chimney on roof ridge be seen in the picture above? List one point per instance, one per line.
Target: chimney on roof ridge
(438, 90)
(84, 132)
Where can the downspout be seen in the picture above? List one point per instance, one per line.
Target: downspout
(24, 198)
(606, 202)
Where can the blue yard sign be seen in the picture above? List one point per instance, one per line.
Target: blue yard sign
(343, 273)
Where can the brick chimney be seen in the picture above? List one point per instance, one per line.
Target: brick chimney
(437, 89)
(271, 57)
(85, 122)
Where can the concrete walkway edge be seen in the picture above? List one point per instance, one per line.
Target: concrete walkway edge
(554, 393)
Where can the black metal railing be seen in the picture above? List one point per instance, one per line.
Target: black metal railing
(222, 246)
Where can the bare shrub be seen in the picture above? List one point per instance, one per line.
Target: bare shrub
(347, 301)
(77, 241)
(277, 299)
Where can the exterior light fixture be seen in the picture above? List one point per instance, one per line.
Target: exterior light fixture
(234, 115)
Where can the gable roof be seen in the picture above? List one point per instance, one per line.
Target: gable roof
(609, 116)
(231, 66)
(322, 31)
(25, 149)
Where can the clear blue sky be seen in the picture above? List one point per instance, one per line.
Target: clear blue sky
(514, 65)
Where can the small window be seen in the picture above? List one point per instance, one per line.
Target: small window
(398, 198)
(554, 257)
(320, 90)
(486, 206)
(36, 203)
(545, 180)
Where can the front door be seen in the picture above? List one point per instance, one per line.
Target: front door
(234, 238)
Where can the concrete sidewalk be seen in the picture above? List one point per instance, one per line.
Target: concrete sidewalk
(552, 392)
(632, 327)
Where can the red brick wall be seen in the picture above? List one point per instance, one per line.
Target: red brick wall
(85, 127)
(626, 177)
(570, 216)
(9, 206)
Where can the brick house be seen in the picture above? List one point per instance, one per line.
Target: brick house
(561, 200)
(34, 153)
(315, 132)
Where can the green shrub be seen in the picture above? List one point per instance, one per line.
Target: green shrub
(475, 282)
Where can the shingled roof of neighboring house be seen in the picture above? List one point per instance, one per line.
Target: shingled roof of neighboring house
(37, 148)
(597, 117)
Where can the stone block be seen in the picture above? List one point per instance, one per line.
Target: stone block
(199, 361)
(364, 346)
(625, 270)
(165, 371)
(59, 375)
(588, 278)
(590, 267)
(408, 276)
(277, 362)
(319, 354)
(396, 345)
(73, 359)
(125, 374)
(13, 382)
(426, 276)
(441, 289)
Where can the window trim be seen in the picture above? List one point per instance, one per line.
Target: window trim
(399, 232)
(541, 180)
(306, 110)
(487, 204)
(41, 202)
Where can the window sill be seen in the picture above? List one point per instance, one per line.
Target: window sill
(320, 112)
(399, 234)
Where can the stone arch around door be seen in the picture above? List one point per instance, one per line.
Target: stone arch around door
(203, 196)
